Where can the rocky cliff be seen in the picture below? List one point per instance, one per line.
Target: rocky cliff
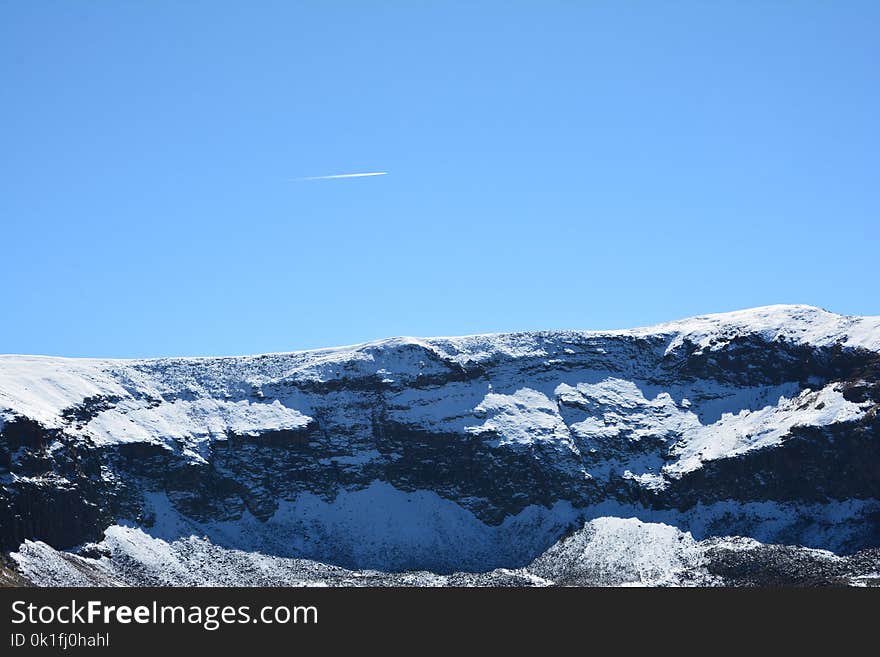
(707, 450)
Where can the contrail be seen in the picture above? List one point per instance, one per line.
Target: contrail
(346, 175)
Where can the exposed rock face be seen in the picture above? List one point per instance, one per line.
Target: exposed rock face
(453, 454)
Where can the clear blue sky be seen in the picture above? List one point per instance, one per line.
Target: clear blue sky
(551, 165)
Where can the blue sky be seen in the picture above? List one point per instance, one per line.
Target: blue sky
(551, 165)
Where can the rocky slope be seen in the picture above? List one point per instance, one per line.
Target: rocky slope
(740, 448)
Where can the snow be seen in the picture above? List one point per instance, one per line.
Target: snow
(748, 430)
(575, 390)
(798, 324)
(612, 551)
(192, 423)
(40, 387)
(584, 394)
(833, 525)
(379, 527)
(619, 409)
(522, 418)
(138, 559)
(616, 545)
(607, 551)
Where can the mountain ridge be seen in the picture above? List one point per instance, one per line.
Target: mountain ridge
(780, 313)
(759, 423)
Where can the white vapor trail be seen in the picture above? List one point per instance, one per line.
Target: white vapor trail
(346, 175)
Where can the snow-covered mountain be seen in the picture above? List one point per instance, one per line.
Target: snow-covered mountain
(725, 449)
